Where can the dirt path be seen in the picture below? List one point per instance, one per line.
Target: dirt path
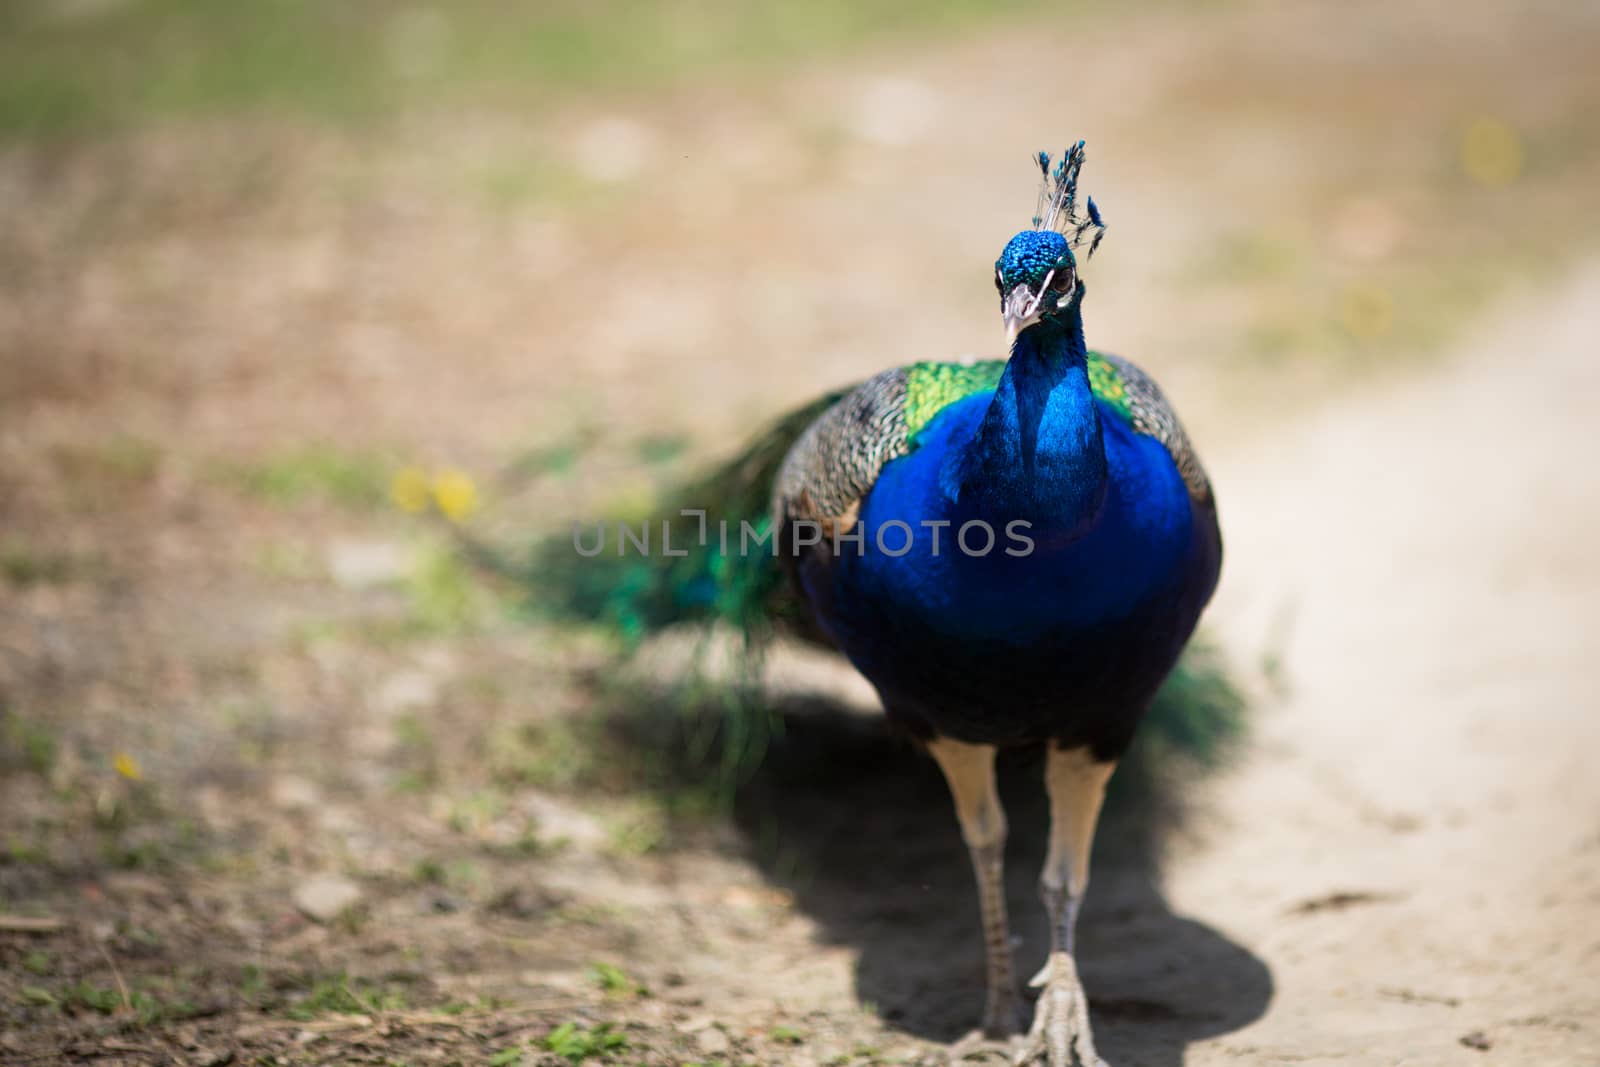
(1414, 846)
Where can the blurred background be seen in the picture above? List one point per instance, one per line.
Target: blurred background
(281, 776)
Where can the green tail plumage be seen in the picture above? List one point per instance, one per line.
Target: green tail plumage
(641, 593)
(1195, 724)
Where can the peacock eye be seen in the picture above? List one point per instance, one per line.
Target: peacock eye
(999, 283)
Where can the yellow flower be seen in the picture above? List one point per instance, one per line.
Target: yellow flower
(127, 766)
(409, 489)
(1491, 152)
(454, 494)
(1366, 311)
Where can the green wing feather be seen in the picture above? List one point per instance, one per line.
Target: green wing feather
(932, 387)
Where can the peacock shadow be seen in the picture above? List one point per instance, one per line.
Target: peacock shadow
(857, 825)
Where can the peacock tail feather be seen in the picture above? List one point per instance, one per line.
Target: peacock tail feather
(638, 594)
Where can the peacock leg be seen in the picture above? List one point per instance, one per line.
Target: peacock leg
(1077, 786)
(969, 769)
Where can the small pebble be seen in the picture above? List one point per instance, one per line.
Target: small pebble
(367, 564)
(712, 1041)
(325, 897)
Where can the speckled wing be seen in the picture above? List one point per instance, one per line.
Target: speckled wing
(839, 457)
(1133, 394)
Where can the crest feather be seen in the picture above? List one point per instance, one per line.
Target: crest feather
(1057, 205)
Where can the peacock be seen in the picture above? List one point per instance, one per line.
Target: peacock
(1012, 551)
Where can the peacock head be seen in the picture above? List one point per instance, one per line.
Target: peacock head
(1037, 273)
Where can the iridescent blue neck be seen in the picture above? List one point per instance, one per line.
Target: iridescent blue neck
(1038, 453)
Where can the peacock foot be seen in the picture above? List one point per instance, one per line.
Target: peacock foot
(1060, 1029)
(975, 1048)
(996, 1038)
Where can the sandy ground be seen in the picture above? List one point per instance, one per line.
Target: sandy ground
(1419, 557)
(201, 322)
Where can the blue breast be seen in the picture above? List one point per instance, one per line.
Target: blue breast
(1068, 641)
(1133, 551)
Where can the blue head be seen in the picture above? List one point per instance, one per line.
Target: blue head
(1037, 273)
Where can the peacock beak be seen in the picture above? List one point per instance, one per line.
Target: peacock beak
(1019, 311)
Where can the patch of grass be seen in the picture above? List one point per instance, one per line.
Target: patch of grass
(287, 561)
(592, 913)
(429, 871)
(614, 981)
(1353, 284)
(253, 721)
(417, 753)
(354, 480)
(575, 1043)
(138, 935)
(137, 830)
(661, 448)
(552, 753)
(146, 855)
(443, 594)
(474, 813)
(307, 634)
(465, 875)
(411, 782)
(529, 844)
(38, 996)
(1252, 254)
(26, 745)
(121, 459)
(557, 459)
(253, 986)
(149, 1010)
(107, 65)
(508, 187)
(339, 994)
(786, 1035)
(639, 832)
(22, 566)
(37, 963)
(512, 184)
(456, 1007)
(140, 1008)
(84, 996)
(33, 853)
